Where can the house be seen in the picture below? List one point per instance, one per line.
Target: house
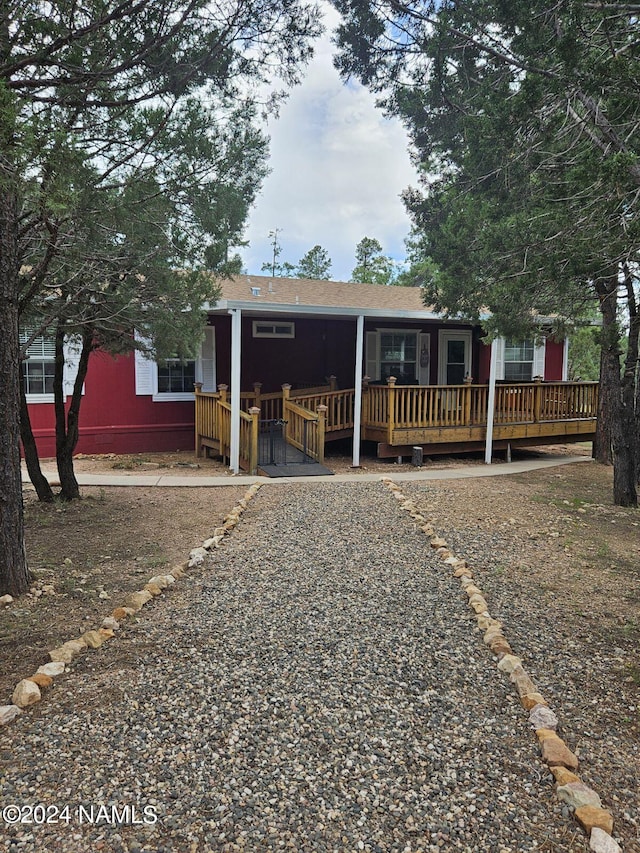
(324, 337)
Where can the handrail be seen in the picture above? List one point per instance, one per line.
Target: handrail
(305, 429)
(340, 406)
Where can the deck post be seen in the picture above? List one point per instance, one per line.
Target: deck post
(357, 393)
(257, 388)
(322, 425)
(197, 388)
(254, 411)
(491, 401)
(366, 400)
(468, 380)
(537, 399)
(286, 395)
(236, 357)
(333, 382)
(391, 415)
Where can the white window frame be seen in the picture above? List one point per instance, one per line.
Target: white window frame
(373, 358)
(146, 373)
(274, 325)
(71, 359)
(446, 335)
(537, 365)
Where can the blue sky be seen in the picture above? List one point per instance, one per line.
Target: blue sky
(337, 170)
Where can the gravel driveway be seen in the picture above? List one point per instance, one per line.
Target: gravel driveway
(319, 685)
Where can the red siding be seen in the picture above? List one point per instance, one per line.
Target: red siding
(113, 419)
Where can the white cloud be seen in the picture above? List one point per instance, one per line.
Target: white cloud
(338, 168)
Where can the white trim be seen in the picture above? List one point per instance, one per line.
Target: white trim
(374, 360)
(40, 398)
(236, 361)
(565, 361)
(357, 409)
(537, 362)
(446, 335)
(173, 396)
(423, 367)
(493, 369)
(71, 350)
(280, 308)
(274, 324)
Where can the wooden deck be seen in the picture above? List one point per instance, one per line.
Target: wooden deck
(398, 418)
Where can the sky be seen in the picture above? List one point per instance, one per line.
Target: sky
(338, 167)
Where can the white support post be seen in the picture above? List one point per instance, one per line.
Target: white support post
(491, 401)
(357, 405)
(236, 358)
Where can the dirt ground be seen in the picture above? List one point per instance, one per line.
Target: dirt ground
(568, 540)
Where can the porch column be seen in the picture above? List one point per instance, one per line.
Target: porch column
(236, 353)
(493, 369)
(357, 403)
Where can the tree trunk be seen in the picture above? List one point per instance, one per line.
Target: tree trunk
(14, 571)
(622, 420)
(38, 480)
(67, 431)
(630, 387)
(602, 448)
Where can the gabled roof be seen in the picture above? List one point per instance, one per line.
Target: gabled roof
(265, 294)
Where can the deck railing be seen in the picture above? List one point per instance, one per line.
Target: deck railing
(413, 406)
(213, 427)
(313, 412)
(305, 429)
(339, 406)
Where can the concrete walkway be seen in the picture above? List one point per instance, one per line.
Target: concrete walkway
(205, 481)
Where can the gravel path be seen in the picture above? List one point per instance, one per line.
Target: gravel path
(318, 686)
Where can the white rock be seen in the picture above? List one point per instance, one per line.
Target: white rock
(209, 543)
(5, 601)
(52, 669)
(196, 561)
(111, 623)
(508, 664)
(542, 717)
(8, 713)
(26, 693)
(160, 580)
(602, 842)
(198, 552)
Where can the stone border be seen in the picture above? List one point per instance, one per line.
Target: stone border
(596, 821)
(28, 691)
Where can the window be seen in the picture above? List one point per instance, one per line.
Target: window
(518, 361)
(176, 377)
(398, 356)
(276, 329)
(403, 353)
(172, 380)
(38, 368)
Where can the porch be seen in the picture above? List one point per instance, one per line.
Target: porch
(438, 418)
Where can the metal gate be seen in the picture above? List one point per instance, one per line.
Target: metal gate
(272, 444)
(273, 448)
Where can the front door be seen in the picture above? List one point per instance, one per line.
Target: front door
(454, 357)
